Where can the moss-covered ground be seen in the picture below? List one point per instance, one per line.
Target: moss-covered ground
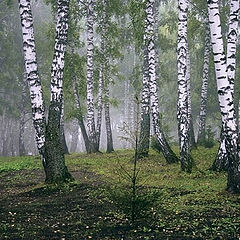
(171, 204)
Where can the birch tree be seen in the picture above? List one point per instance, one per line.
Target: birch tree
(204, 89)
(90, 103)
(31, 68)
(183, 114)
(221, 162)
(190, 118)
(108, 121)
(225, 96)
(62, 132)
(80, 115)
(144, 138)
(166, 150)
(47, 136)
(101, 72)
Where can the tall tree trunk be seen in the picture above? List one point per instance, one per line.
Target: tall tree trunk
(56, 170)
(225, 96)
(80, 116)
(62, 132)
(126, 109)
(90, 104)
(191, 127)
(21, 146)
(144, 138)
(221, 162)
(99, 106)
(33, 79)
(183, 118)
(108, 121)
(74, 140)
(203, 107)
(101, 73)
(22, 150)
(166, 150)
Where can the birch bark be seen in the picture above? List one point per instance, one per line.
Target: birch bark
(183, 112)
(221, 163)
(166, 150)
(34, 83)
(56, 170)
(225, 96)
(90, 103)
(144, 138)
(101, 73)
(203, 106)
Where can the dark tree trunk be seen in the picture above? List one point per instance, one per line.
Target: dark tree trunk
(64, 143)
(4, 137)
(108, 123)
(62, 131)
(22, 150)
(74, 140)
(144, 138)
(193, 143)
(80, 117)
(55, 168)
(221, 162)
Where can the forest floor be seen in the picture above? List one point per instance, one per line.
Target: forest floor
(97, 205)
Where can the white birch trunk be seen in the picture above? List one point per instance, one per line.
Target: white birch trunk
(90, 48)
(34, 83)
(59, 52)
(225, 96)
(167, 152)
(204, 89)
(221, 162)
(56, 170)
(183, 112)
(232, 42)
(101, 73)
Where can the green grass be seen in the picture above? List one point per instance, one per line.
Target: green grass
(192, 205)
(196, 203)
(19, 163)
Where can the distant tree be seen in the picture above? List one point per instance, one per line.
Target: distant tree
(79, 113)
(204, 88)
(190, 117)
(22, 149)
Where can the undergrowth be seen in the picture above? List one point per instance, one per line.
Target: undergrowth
(170, 204)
